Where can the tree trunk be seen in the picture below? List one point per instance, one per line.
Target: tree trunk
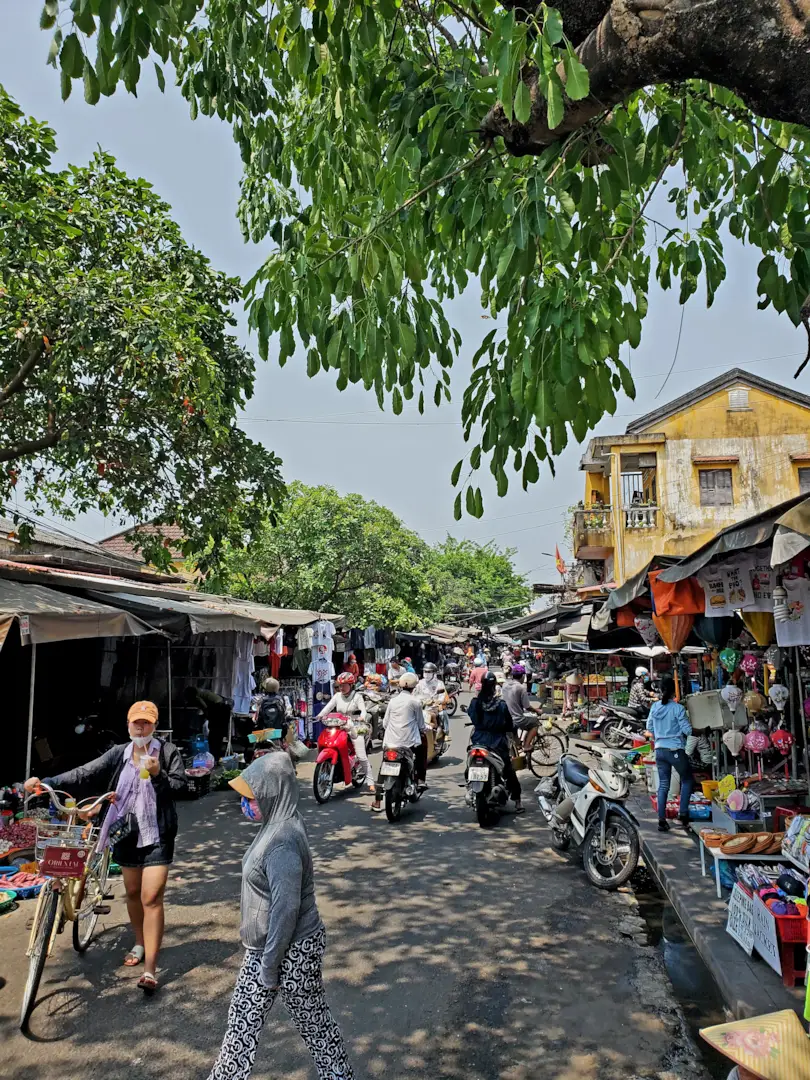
(760, 49)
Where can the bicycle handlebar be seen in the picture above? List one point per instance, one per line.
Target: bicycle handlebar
(80, 807)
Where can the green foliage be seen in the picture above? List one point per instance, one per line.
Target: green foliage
(120, 380)
(358, 124)
(469, 577)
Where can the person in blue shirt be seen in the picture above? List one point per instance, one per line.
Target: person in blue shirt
(669, 726)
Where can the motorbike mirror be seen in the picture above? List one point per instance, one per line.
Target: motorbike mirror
(80, 729)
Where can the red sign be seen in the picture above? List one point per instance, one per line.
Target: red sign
(64, 861)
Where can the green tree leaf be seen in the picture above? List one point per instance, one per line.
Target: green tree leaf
(523, 103)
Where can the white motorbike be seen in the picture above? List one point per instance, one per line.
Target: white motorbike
(587, 805)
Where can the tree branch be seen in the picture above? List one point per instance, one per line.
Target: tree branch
(16, 383)
(30, 447)
(414, 5)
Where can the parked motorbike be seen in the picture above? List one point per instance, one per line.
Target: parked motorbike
(398, 774)
(619, 725)
(336, 762)
(586, 805)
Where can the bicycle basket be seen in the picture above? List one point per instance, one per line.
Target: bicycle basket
(63, 850)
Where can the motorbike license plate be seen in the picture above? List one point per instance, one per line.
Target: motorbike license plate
(476, 772)
(390, 768)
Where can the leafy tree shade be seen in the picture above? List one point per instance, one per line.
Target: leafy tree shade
(339, 553)
(394, 150)
(119, 378)
(474, 579)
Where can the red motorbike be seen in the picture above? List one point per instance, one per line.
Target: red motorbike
(337, 762)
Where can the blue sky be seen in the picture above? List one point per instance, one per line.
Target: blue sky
(342, 439)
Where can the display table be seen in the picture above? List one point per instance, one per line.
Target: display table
(719, 857)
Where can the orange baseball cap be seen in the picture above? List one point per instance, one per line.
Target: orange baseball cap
(143, 710)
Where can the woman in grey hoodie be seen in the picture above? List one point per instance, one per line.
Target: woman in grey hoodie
(282, 932)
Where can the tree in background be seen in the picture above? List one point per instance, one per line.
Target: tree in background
(345, 554)
(120, 380)
(475, 578)
(339, 553)
(395, 152)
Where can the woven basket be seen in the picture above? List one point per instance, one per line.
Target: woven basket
(713, 839)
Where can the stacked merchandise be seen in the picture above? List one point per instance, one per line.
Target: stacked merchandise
(321, 668)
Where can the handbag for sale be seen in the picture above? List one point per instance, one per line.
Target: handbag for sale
(124, 827)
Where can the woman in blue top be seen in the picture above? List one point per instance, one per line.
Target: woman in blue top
(669, 725)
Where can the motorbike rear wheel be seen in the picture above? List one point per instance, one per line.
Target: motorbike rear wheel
(612, 736)
(323, 781)
(487, 817)
(393, 804)
(452, 708)
(612, 867)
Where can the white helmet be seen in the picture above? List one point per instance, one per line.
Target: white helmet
(641, 672)
(408, 681)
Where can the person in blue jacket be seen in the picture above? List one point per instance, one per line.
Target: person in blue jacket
(668, 724)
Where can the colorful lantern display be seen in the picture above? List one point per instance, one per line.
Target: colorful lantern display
(730, 659)
(757, 742)
(754, 701)
(773, 656)
(734, 740)
(732, 695)
(779, 696)
(749, 664)
(714, 632)
(807, 707)
(782, 740)
(761, 626)
(674, 630)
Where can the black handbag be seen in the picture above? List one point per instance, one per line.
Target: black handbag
(123, 828)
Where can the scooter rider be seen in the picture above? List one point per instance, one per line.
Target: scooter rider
(491, 723)
(351, 704)
(404, 725)
(431, 688)
(516, 696)
(641, 696)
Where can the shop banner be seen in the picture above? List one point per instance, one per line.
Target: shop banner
(744, 583)
(766, 941)
(740, 922)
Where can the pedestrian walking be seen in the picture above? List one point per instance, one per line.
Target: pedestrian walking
(141, 825)
(668, 723)
(282, 931)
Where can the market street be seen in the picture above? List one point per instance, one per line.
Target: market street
(453, 952)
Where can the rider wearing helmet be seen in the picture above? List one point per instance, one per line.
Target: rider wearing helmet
(431, 688)
(350, 703)
(641, 697)
(516, 696)
(491, 723)
(404, 727)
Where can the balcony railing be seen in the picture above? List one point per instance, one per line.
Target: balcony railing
(596, 520)
(640, 517)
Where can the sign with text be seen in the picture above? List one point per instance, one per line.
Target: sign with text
(766, 941)
(25, 625)
(740, 922)
(63, 861)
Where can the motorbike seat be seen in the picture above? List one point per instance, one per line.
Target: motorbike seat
(629, 711)
(574, 772)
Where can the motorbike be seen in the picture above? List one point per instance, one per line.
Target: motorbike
(376, 704)
(586, 805)
(486, 787)
(336, 762)
(453, 689)
(398, 775)
(619, 725)
(437, 738)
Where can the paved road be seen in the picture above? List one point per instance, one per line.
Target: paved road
(454, 953)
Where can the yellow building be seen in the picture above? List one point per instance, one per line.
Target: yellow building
(729, 449)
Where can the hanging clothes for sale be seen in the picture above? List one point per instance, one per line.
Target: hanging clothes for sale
(321, 669)
(369, 637)
(303, 638)
(322, 633)
(795, 629)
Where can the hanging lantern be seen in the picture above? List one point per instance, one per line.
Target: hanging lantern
(645, 627)
(780, 607)
(773, 656)
(757, 742)
(734, 740)
(749, 664)
(674, 630)
(782, 740)
(754, 701)
(730, 658)
(761, 626)
(807, 707)
(714, 632)
(732, 695)
(779, 696)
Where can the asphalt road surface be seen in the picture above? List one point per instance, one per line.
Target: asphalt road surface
(453, 952)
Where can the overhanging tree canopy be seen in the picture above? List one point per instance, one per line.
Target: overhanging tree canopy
(120, 378)
(437, 141)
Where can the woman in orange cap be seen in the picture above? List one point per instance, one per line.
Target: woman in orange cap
(141, 824)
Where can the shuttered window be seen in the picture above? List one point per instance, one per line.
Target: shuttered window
(715, 487)
(804, 481)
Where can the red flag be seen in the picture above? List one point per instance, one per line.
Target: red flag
(559, 560)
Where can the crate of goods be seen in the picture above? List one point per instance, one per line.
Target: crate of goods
(198, 782)
(24, 885)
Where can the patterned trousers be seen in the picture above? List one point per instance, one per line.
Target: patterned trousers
(301, 990)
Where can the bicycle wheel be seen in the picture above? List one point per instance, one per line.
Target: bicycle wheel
(91, 894)
(44, 919)
(546, 752)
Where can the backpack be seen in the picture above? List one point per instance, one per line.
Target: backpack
(272, 713)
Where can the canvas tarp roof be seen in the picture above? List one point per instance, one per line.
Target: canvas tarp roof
(634, 587)
(174, 615)
(785, 524)
(50, 615)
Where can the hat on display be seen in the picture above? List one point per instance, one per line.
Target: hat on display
(771, 1047)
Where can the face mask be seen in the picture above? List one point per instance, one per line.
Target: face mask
(141, 740)
(250, 808)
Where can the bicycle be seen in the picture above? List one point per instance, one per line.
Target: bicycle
(67, 854)
(547, 748)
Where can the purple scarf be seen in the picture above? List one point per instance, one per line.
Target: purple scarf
(134, 796)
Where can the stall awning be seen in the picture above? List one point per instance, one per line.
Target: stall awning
(49, 615)
(790, 517)
(174, 616)
(271, 616)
